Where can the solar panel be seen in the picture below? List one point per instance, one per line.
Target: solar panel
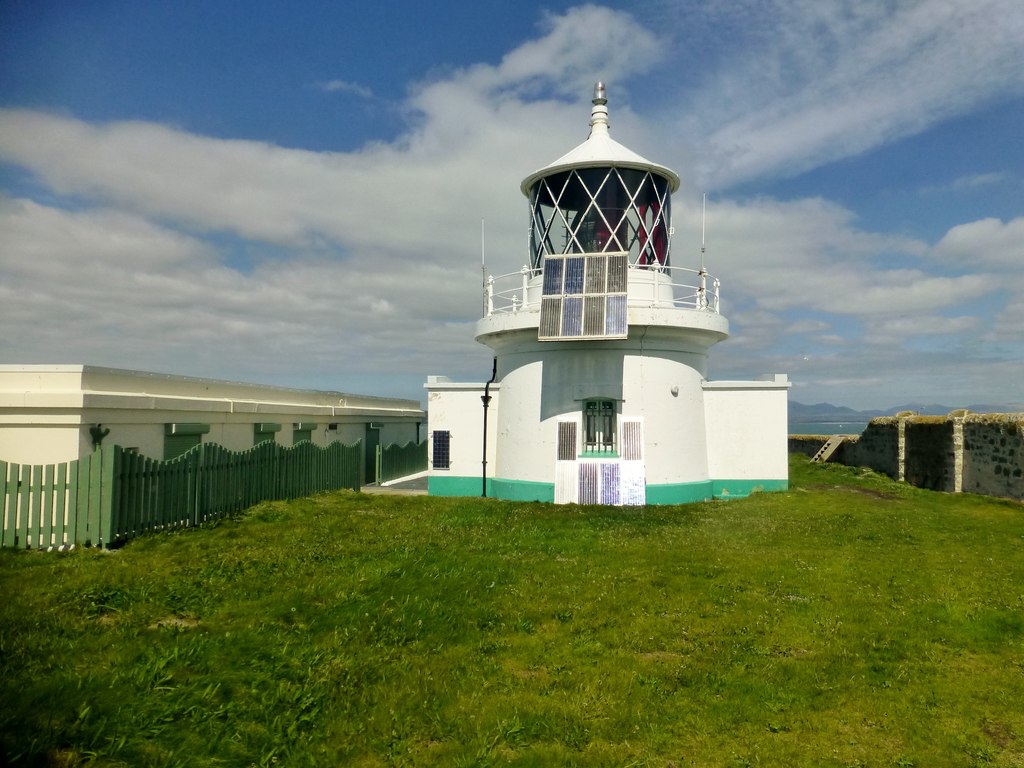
(610, 481)
(572, 316)
(567, 441)
(584, 297)
(553, 277)
(589, 489)
(593, 315)
(632, 440)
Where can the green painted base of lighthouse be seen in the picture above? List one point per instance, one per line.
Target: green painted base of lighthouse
(667, 493)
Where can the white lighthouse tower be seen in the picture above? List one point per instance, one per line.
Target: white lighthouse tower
(599, 392)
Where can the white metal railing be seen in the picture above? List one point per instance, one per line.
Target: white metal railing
(512, 292)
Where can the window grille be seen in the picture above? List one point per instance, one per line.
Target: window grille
(599, 426)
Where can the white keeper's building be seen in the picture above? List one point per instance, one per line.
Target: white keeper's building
(600, 392)
(50, 414)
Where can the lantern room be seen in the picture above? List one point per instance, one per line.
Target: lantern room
(601, 198)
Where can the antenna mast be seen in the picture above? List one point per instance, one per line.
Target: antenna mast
(702, 290)
(483, 265)
(703, 217)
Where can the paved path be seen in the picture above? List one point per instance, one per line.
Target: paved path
(415, 487)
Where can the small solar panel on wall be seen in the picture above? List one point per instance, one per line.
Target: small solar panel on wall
(632, 440)
(610, 483)
(566, 482)
(441, 453)
(589, 483)
(567, 441)
(633, 484)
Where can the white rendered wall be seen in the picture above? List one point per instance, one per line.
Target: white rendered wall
(46, 412)
(458, 409)
(38, 443)
(346, 433)
(675, 450)
(543, 384)
(748, 429)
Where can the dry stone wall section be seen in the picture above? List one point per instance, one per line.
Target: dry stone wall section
(969, 452)
(994, 455)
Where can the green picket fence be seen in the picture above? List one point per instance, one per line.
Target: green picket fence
(113, 495)
(394, 461)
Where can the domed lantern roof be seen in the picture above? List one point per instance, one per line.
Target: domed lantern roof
(600, 150)
(601, 197)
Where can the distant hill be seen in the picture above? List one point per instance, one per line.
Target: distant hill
(799, 413)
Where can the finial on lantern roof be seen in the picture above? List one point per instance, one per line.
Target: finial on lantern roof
(599, 114)
(600, 150)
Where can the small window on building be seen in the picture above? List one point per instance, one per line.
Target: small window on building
(441, 453)
(599, 426)
(180, 438)
(264, 432)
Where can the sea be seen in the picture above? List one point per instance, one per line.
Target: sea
(828, 428)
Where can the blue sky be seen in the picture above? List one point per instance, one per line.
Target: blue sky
(291, 193)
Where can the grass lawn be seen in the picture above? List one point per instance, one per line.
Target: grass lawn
(851, 621)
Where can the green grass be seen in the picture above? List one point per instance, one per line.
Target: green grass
(851, 621)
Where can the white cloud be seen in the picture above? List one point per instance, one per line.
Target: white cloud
(810, 254)
(988, 241)
(826, 81)
(975, 180)
(344, 86)
(577, 48)
(896, 330)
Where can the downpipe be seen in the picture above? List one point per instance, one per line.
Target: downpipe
(486, 398)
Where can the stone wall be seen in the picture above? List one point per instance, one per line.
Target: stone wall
(974, 453)
(808, 445)
(994, 455)
(929, 453)
(878, 447)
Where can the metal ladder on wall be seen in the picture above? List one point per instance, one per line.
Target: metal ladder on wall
(831, 445)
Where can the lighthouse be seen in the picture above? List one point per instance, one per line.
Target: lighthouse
(599, 392)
